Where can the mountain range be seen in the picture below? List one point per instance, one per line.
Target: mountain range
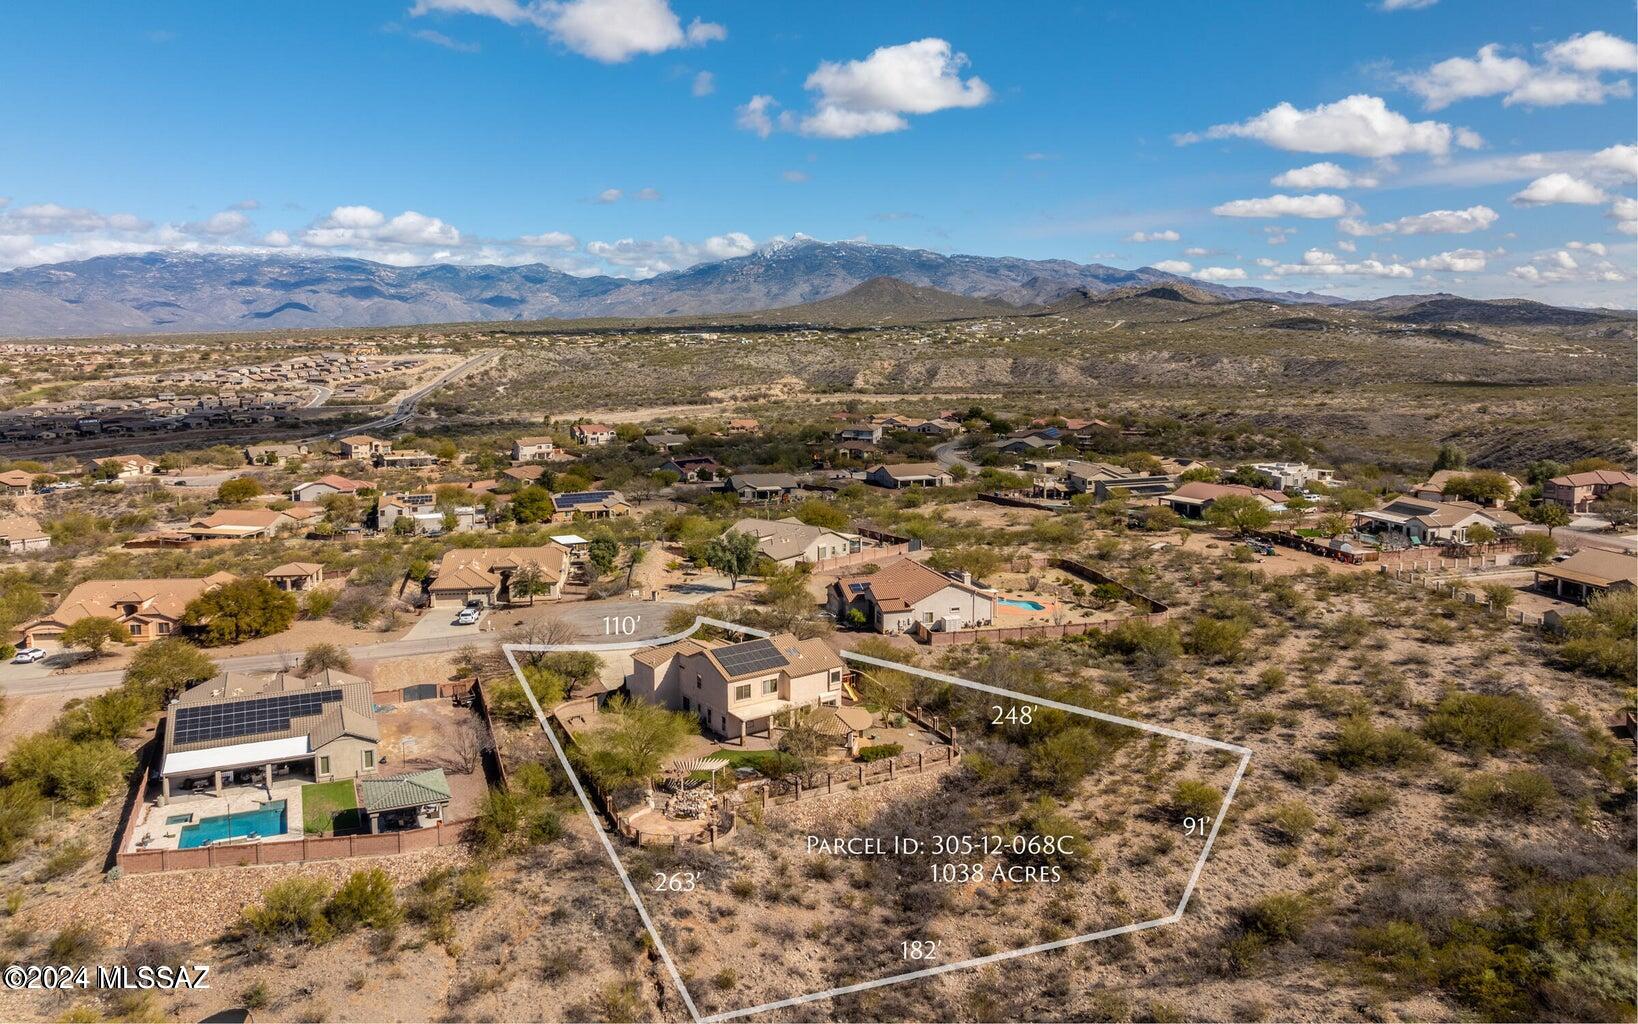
(181, 292)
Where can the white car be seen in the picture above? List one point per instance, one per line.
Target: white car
(468, 616)
(28, 656)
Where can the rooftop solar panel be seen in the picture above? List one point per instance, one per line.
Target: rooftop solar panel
(750, 656)
(247, 717)
(582, 497)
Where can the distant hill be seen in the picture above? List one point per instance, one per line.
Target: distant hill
(1501, 312)
(888, 300)
(175, 293)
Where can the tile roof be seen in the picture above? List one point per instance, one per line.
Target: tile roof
(480, 568)
(900, 586)
(400, 791)
(907, 470)
(1595, 567)
(1201, 491)
(163, 598)
(20, 528)
(351, 714)
(1597, 477)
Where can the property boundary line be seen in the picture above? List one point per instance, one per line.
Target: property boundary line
(1244, 753)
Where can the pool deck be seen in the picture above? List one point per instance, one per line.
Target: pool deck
(151, 832)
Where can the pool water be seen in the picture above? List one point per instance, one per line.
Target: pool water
(266, 821)
(1034, 606)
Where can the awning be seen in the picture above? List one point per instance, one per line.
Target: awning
(235, 756)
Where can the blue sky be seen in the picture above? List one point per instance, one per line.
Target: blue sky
(1453, 145)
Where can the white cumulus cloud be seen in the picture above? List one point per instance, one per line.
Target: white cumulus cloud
(1461, 261)
(1559, 188)
(705, 83)
(611, 31)
(1221, 274)
(1618, 161)
(1596, 51)
(1358, 125)
(1319, 263)
(1434, 222)
(549, 240)
(873, 96)
(1322, 175)
(1165, 235)
(1316, 206)
(362, 227)
(1570, 74)
(1173, 266)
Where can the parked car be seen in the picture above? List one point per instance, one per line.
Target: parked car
(468, 616)
(28, 656)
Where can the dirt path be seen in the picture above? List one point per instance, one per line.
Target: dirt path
(657, 411)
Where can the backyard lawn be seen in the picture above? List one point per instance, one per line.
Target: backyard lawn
(329, 805)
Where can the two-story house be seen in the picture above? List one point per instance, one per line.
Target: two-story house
(738, 689)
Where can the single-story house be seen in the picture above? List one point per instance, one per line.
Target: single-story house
(1100, 478)
(15, 481)
(363, 446)
(692, 468)
(406, 458)
(274, 454)
(534, 449)
(762, 486)
(738, 689)
(1417, 521)
(330, 483)
(743, 426)
(1026, 445)
(789, 540)
(147, 609)
(398, 802)
(125, 467)
(524, 474)
(485, 575)
(1577, 491)
(1294, 476)
(22, 533)
(592, 434)
(247, 728)
(909, 474)
(591, 504)
(295, 576)
(239, 524)
(894, 599)
(1193, 498)
(1433, 489)
(665, 442)
(1588, 573)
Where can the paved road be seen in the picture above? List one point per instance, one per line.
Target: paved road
(586, 616)
(948, 454)
(407, 404)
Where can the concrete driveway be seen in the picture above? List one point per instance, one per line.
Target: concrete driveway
(439, 624)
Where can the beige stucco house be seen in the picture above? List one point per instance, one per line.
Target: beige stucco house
(22, 533)
(485, 575)
(789, 540)
(147, 609)
(906, 593)
(738, 689)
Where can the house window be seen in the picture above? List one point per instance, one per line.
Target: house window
(369, 759)
(835, 679)
(164, 628)
(742, 691)
(927, 616)
(135, 628)
(770, 686)
(324, 766)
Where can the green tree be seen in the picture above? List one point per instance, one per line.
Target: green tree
(732, 553)
(527, 582)
(532, 504)
(1619, 506)
(1500, 596)
(822, 514)
(242, 610)
(1335, 524)
(166, 667)
(93, 634)
(240, 488)
(1482, 485)
(1480, 534)
(1349, 499)
(1549, 514)
(633, 746)
(321, 656)
(1239, 512)
(1537, 548)
(1203, 474)
(603, 552)
(1450, 457)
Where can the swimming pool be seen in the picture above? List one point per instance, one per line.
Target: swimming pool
(1034, 606)
(266, 821)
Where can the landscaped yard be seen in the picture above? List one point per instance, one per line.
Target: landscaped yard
(329, 806)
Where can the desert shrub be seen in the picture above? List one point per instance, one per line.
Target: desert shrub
(507, 701)
(111, 715)
(1193, 798)
(290, 911)
(880, 751)
(83, 773)
(76, 944)
(1273, 920)
(1290, 821)
(1143, 643)
(1073, 854)
(1521, 793)
(242, 610)
(1217, 641)
(367, 900)
(21, 808)
(316, 604)
(1347, 631)
(1360, 744)
(1368, 800)
(1599, 641)
(63, 859)
(1483, 723)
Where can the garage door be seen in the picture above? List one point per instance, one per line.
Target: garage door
(425, 691)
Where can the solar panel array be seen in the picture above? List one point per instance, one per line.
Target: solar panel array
(750, 656)
(248, 717)
(582, 497)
